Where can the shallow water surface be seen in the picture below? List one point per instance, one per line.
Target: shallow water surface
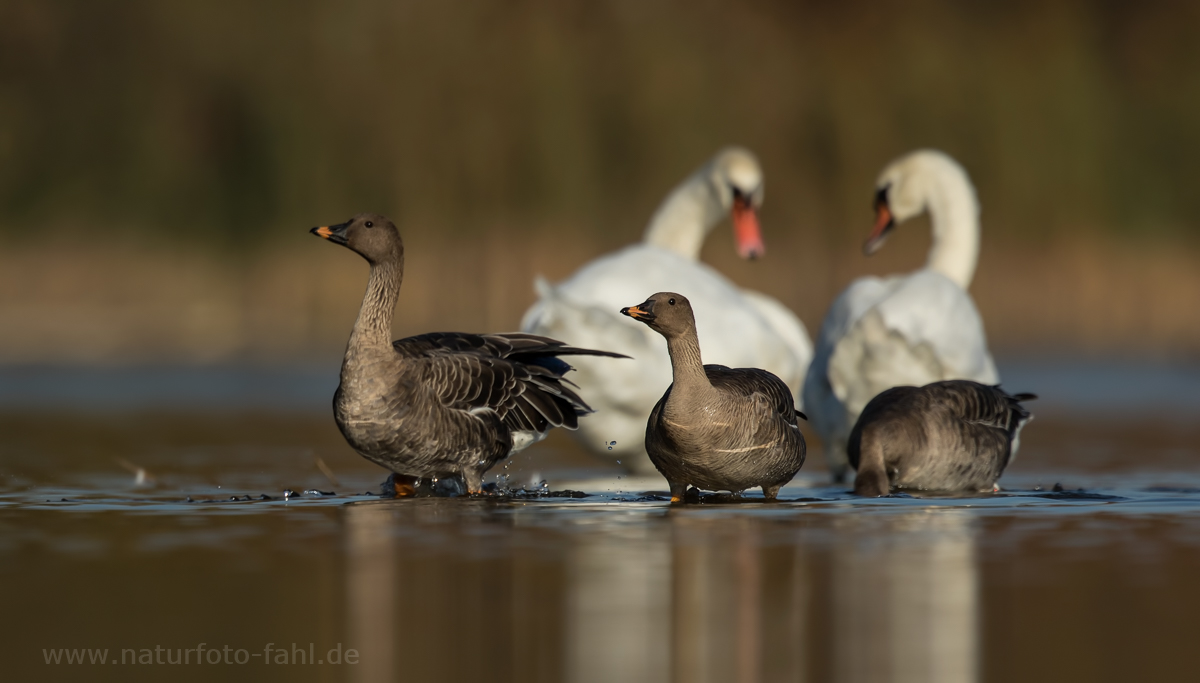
(135, 537)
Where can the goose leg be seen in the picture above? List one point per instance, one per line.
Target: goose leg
(677, 492)
(769, 492)
(399, 486)
(474, 481)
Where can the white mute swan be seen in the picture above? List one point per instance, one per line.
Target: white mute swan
(906, 329)
(740, 328)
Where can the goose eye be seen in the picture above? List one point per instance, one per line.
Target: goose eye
(370, 224)
(671, 301)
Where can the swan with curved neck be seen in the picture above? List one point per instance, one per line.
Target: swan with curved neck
(730, 184)
(929, 180)
(903, 330)
(741, 328)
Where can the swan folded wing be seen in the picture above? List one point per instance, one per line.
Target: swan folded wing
(913, 330)
(927, 307)
(872, 358)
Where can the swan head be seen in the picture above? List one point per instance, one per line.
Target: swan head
(730, 184)
(667, 313)
(371, 235)
(906, 188)
(736, 180)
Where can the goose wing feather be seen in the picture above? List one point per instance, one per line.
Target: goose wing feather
(980, 404)
(751, 381)
(517, 376)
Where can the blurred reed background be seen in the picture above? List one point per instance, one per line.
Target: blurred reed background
(160, 163)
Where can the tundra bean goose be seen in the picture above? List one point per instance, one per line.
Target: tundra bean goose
(905, 329)
(717, 428)
(740, 327)
(445, 403)
(955, 435)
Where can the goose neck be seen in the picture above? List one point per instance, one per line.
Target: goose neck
(373, 329)
(686, 366)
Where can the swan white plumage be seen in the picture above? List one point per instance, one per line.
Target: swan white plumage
(739, 328)
(906, 329)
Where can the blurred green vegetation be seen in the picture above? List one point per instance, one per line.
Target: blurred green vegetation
(219, 120)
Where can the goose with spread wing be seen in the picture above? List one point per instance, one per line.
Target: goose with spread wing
(906, 329)
(444, 404)
(740, 327)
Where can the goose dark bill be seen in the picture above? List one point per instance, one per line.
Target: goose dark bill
(643, 311)
(333, 233)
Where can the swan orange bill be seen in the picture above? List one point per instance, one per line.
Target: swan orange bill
(746, 230)
(323, 232)
(883, 225)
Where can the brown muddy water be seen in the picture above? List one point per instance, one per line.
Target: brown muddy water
(202, 557)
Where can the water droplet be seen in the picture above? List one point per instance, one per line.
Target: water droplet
(618, 462)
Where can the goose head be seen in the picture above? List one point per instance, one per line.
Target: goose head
(728, 185)
(929, 180)
(371, 235)
(667, 313)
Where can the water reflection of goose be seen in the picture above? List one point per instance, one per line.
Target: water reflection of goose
(739, 604)
(905, 599)
(370, 591)
(909, 329)
(741, 328)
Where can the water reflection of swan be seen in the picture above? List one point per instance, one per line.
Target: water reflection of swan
(618, 603)
(438, 589)
(905, 599)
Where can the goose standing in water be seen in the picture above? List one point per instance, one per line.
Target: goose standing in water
(445, 403)
(716, 428)
(740, 327)
(906, 329)
(955, 435)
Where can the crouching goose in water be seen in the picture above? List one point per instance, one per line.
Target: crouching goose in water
(956, 435)
(717, 428)
(906, 329)
(445, 403)
(739, 327)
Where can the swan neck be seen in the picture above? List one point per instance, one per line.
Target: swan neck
(954, 214)
(685, 217)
